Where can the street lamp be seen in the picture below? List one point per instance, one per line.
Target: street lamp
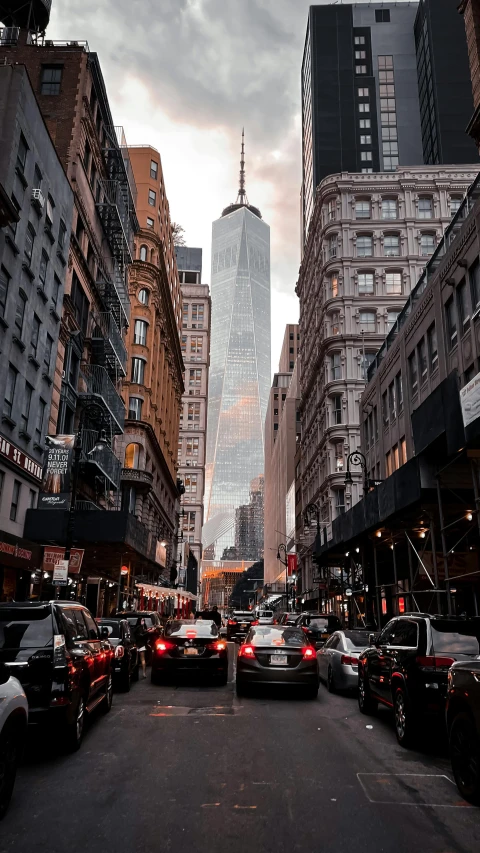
(358, 459)
(282, 547)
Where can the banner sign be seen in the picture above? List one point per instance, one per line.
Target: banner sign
(470, 400)
(60, 573)
(52, 556)
(55, 488)
(292, 564)
(161, 554)
(20, 459)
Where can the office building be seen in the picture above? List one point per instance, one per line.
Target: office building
(470, 9)
(249, 524)
(239, 365)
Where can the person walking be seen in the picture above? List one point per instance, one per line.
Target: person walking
(141, 639)
(215, 616)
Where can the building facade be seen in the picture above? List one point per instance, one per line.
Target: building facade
(470, 9)
(32, 280)
(290, 346)
(249, 524)
(370, 238)
(195, 343)
(239, 366)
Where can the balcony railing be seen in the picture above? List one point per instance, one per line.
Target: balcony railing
(113, 291)
(97, 387)
(115, 208)
(103, 460)
(108, 347)
(141, 479)
(9, 35)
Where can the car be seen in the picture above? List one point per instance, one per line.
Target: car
(463, 726)
(277, 655)
(406, 667)
(238, 624)
(125, 666)
(190, 646)
(287, 619)
(13, 726)
(152, 621)
(318, 626)
(264, 617)
(338, 659)
(62, 660)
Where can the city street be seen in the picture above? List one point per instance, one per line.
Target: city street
(195, 768)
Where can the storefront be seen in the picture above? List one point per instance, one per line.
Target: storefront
(20, 568)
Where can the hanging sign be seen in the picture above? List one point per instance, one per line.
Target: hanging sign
(60, 573)
(55, 489)
(52, 555)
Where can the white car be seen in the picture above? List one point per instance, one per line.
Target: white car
(13, 727)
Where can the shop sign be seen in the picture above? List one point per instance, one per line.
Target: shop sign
(161, 554)
(55, 488)
(60, 573)
(470, 401)
(15, 551)
(52, 555)
(20, 459)
(292, 563)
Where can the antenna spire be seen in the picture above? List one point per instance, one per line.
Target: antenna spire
(242, 193)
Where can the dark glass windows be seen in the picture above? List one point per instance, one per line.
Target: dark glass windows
(51, 79)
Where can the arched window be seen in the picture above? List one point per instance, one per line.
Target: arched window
(140, 332)
(144, 296)
(132, 456)
(143, 253)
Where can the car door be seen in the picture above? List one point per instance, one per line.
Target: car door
(323, 656)
(101, 656)
(130, 649)
(403, 645)
(330, 647)
(377, 660)
(76, 638)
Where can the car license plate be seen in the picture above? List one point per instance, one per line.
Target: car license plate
(190, 651)
(243, 624)
(325, 636)
(279, 660)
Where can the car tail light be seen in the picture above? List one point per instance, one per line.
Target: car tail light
(119, 651)
(255, 622)
(162, 646)
(347, 660)
(304, 629)
(59, 650)
(246, 652)
(308, 653)
(191, 635)
(218, 646)
(232, 621)
(430, 662)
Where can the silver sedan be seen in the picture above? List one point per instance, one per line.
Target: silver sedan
(338, 659)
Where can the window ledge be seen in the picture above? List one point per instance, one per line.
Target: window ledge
(48, 379)
(53, 313)
(6, 419)
(16, 340)
(61, 257)
(25, 435)
(49, 233)
(43, 296)
(34, 362)
(3, 323)
(37, 447)
(27, 268)
(21, 176)
(11, 242)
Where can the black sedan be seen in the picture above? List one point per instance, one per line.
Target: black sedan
(192, 647)
(277, 655)
(318, 627)
(125, 665)
(463, 723)
(239, 623)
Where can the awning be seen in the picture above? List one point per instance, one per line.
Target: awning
(273, 598)
(165, 591)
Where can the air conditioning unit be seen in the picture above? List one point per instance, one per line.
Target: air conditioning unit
(38, 199)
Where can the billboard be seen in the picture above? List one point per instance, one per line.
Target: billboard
(55, 491)
(52, 555)
(470, 400)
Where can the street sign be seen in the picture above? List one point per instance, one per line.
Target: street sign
(60, 573)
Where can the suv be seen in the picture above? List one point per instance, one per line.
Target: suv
(125, 667)
(13, 725)
(406, 667)
(463, 724)
(318, 626)
(238, 624)
(64, 663)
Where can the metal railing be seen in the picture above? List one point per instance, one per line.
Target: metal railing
(9, 35)
(98, 387)
(104, 459)
(106, 332)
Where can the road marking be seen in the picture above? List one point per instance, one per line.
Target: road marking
(244, 807)
(210, 805)
(392, 781)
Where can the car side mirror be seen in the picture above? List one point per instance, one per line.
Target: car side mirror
(372, 639)
(104, 634)
(4, 673)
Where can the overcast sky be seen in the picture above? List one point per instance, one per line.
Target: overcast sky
(185, 76)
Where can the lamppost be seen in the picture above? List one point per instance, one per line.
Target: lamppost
(313, 511)
(358, 459)
(283, 547)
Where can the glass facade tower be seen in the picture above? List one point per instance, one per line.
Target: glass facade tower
(240, 369)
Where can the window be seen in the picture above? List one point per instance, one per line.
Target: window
(454, 203)
(143, 253)
(364, 246)
(388, 464)
(385, 409)
(192, 445)
(392, 404)
(334, 285)
(331, 210)
(40, 419)
(80, 303)
(337, 409)
(190, 481)
(405, 635)
(462, 305)
(135, 408)
(427, 244)
(62, 232)
(399, 390)
(138, 371)
(391, 319)
(412, 372)
(389, 208)
(196, 348)
(153, 170)
(422, 361)
(451, 323)
(359, 39)
(149, 222)
(183, 344)
(26, 403)
(152, 198)
(20, 314)
(140, 332)
(368, 321)
(51, 79)
(42, 271)
(360, 69)
(335, 323)
(340, 501)
(10, 391)
(364, 123)
(391, 246)
(188, 525)
(197, 316)
(432, 347)
(35, 334)
(365, 282)
(185, 307)
(195, 378)
(332, 246)
(17, 488)
(363, 93)
(403, 451)
(22, 153)
(4, 284)
(339, 455)
(362, 210)
(50, 207)
(425, 208)
(474, 274)
(37, 178)
(382, 16)
(29, 241)
(336, 366)
(393, 282)
(367, 360)
(361, 54)
(193, 415)
(144, 296)
(47, 356)
(365, 140)
(365, 156)
(132, 456)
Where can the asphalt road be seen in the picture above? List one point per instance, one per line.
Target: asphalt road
(193, 768)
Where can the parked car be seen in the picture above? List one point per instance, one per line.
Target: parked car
(125, 665)
(463, 724)
(277, 655)
(13, 726)
(62, 660)
(287, 618)
(406, 667)
(338, 659)
(264, 617)
(190, 647)
(318, 626)
(152, 621)
(238, 624)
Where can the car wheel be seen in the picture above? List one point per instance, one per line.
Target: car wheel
(126, 682)
(311, 692)
(74, 730)
(242, 689)
(107, 701)
(156, 677)
(9, 757)
(465, 757)
(405, 724)
(330, 681)
(366, 704)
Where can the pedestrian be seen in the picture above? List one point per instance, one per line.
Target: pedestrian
(215, 616)
(141, 639)
(192, 615)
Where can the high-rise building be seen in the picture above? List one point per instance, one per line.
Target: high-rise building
(195, 342)
(249, 524)
(289, 352)
(369, 240)
(239, 365)
(470, 9)
(383, 86)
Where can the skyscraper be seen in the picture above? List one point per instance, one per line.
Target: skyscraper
(239, 379)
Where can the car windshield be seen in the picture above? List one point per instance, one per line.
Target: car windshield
(265, 614)
(243, 617)
(318, 624)
(112, 627)
(197, 628)
(23, 628)
(276, 636)
(356, 640)
(460, 638)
